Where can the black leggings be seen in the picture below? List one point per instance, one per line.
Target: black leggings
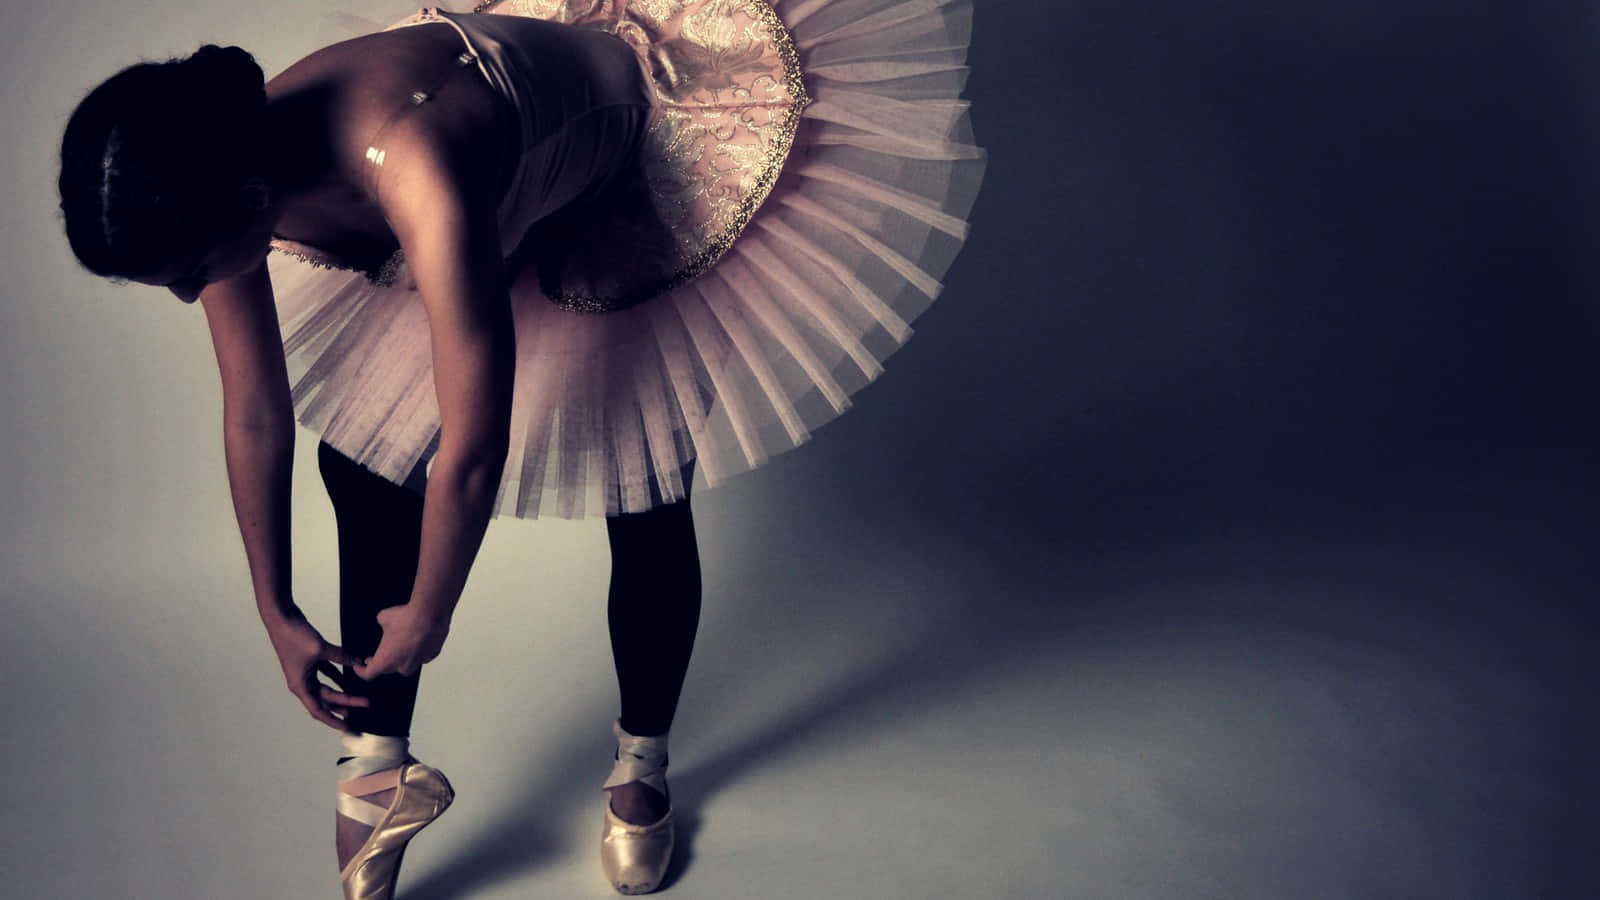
(653, 609)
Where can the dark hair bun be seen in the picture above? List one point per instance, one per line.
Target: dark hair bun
(225, 72)
(211, 54)
(152, 160)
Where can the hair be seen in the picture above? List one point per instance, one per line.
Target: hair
(153, 159)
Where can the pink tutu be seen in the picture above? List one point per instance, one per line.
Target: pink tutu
(803, 186)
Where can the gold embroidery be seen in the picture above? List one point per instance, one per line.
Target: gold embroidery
(656, 12)
(728, 92)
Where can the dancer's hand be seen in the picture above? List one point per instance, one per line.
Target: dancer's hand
(303, 653)
(411, 637)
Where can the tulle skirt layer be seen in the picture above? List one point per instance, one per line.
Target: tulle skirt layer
(762, 345)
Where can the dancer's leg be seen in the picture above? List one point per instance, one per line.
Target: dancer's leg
(380, 533)
(654, 610)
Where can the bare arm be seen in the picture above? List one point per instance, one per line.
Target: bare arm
(258, 441)
(456, 261)
(447, 226)
(257, 430)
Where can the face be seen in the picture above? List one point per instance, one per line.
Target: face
(224, 261)
(187, 277)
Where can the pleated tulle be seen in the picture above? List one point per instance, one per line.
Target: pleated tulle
(740, 364)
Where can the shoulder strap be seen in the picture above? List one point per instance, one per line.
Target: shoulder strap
(376, 153)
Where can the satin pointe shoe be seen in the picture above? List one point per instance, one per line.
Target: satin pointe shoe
(378, 763)
(635, 857)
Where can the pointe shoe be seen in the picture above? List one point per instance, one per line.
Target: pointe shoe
(635, 857)
(421, 794)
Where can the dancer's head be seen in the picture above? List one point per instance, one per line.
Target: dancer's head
(162, 175)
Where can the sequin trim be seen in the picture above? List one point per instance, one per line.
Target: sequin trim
(386, 274)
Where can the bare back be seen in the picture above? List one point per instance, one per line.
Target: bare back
(339, 103)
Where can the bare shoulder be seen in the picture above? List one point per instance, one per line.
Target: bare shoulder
(365, 92)
(344, 91)
(432, 173)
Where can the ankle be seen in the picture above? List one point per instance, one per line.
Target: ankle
(379, 750)
(366, 775)
(638, 804)
(639, 758)
(638, 781)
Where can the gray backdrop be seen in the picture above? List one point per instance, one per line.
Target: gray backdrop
(1227, 529)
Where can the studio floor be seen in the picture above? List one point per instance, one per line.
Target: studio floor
(1366, 691)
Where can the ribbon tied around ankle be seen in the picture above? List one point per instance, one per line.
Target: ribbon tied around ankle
(641, 759)
(373, 765)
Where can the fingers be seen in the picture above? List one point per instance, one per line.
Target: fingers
(383, 662)
(335, 654)
(368, 669)
(337, 677)
(320, 713)
(361, 667)
(339, 692)
(382, 667)
(331, 697)
(320, 699)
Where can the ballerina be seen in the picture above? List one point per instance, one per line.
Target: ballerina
(548, 263)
